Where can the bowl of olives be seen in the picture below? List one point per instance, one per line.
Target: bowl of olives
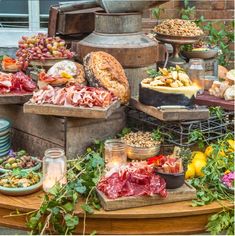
(20, 182)
(19, 160)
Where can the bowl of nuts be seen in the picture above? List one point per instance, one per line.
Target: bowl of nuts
(141, 145)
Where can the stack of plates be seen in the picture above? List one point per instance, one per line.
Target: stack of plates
(5, 139)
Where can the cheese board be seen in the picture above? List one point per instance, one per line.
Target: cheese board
(171, 113)
(71, 111)
(186, 192)
(209, 100)
(15, 98)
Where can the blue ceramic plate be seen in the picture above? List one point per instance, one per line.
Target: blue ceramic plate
(5, 147)
(4, 141)
(4, 153)
(4, 133)
(4, 124)
(21, 191)
(5, 136)
(35, 168)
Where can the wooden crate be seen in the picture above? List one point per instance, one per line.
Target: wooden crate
(36, 133)
(76, 22)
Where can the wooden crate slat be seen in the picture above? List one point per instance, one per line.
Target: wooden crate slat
(49, 128)
(81, 133)
(56, 110)
(171, 114)
(14, 98)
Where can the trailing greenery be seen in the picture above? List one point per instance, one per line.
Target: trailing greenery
(197, 136)
(57, 211)
(210, 188)
(187, 13)
(222, 221)
(156, 12)
(216, 111)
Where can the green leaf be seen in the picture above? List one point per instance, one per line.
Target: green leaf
(68, 206)
(71, 221)
(55, 189)
(80, 189)
(87, 208)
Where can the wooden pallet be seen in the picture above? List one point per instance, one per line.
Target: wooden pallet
(199, 113)
(70, 111)
(14, 98)
(209, 100)
(186, 192)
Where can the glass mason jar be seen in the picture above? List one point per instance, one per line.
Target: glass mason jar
(196, 71)
(115, 153)
(54, 168)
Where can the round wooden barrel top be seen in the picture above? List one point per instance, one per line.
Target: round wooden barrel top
(170, 218)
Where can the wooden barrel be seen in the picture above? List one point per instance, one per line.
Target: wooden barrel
(121, 36)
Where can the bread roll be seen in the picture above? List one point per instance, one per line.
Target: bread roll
(222, 71)
(103, 70)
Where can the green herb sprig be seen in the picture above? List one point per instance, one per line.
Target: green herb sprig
(56, 214)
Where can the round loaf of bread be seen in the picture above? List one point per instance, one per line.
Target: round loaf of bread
(103, 70)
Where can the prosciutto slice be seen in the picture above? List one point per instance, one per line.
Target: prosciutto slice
(134, 179)
(16, 83)
(73, 95)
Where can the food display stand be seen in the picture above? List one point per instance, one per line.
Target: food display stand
(171, 218)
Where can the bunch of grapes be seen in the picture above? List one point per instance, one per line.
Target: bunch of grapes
(41, 47)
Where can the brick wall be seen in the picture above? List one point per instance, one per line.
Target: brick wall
(212, 10)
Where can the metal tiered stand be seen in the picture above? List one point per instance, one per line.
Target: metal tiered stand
(177, 42)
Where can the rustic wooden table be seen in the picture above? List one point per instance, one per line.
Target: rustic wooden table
(171, 218)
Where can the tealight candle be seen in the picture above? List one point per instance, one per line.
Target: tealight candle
(54, 168)
(115, 153)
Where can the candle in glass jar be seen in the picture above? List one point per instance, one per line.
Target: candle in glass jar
(115, 153)
(197, 73)
(54, 168)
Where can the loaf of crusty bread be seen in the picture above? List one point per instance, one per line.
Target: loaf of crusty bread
(103, 70)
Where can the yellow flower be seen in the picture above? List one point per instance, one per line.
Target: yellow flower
(226, 172)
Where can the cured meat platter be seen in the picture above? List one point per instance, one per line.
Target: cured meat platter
(171, 113)
(209, 100)
(15, 98)
(71, 111)
(186, 192)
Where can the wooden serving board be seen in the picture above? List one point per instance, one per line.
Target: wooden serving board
(186, 192)
(209, 100)
(199, 113)
(67, 111)
(14, 98)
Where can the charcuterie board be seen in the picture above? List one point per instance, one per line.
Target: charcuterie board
(15, 98)
(171, 114)
(70, 111)
(209, 100)
(186, 192)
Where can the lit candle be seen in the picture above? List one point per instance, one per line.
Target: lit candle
(54, 168)
(115, 154)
